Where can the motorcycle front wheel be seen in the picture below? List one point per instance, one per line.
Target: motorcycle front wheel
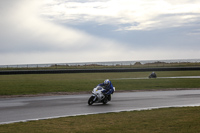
(91, 100)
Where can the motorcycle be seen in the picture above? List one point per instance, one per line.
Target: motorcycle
(153, 75)
(98, 96)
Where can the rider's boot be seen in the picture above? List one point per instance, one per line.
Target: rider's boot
(109, 97)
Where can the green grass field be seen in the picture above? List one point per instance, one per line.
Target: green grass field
(169, 120)
(79, 82)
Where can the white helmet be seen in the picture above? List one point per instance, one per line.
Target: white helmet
(106, 82)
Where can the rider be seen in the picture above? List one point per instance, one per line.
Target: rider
(152, 75)
(108, 86)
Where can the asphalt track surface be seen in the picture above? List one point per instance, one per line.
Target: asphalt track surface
(22, 109)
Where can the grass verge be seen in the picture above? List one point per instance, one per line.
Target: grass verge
(168, 120)
(79, 82)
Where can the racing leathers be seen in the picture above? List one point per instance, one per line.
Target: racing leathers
(108, 89)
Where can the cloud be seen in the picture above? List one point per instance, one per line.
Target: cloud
(54, 31)
(28, 31)
(27, 36)
(144, 13)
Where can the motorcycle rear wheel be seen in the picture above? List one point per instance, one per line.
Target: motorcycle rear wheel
(105, 100)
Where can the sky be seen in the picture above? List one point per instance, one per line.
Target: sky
(69, 31)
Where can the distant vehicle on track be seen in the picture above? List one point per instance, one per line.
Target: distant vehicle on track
(153, 75)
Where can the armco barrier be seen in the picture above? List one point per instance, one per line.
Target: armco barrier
(7, 72)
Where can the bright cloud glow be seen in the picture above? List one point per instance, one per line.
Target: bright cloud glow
(31, 35)
(145, 13)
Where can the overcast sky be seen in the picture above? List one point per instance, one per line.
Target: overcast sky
(64, 31)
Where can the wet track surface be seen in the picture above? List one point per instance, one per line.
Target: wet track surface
(34, 108)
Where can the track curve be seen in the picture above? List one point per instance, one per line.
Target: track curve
(46, 107)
